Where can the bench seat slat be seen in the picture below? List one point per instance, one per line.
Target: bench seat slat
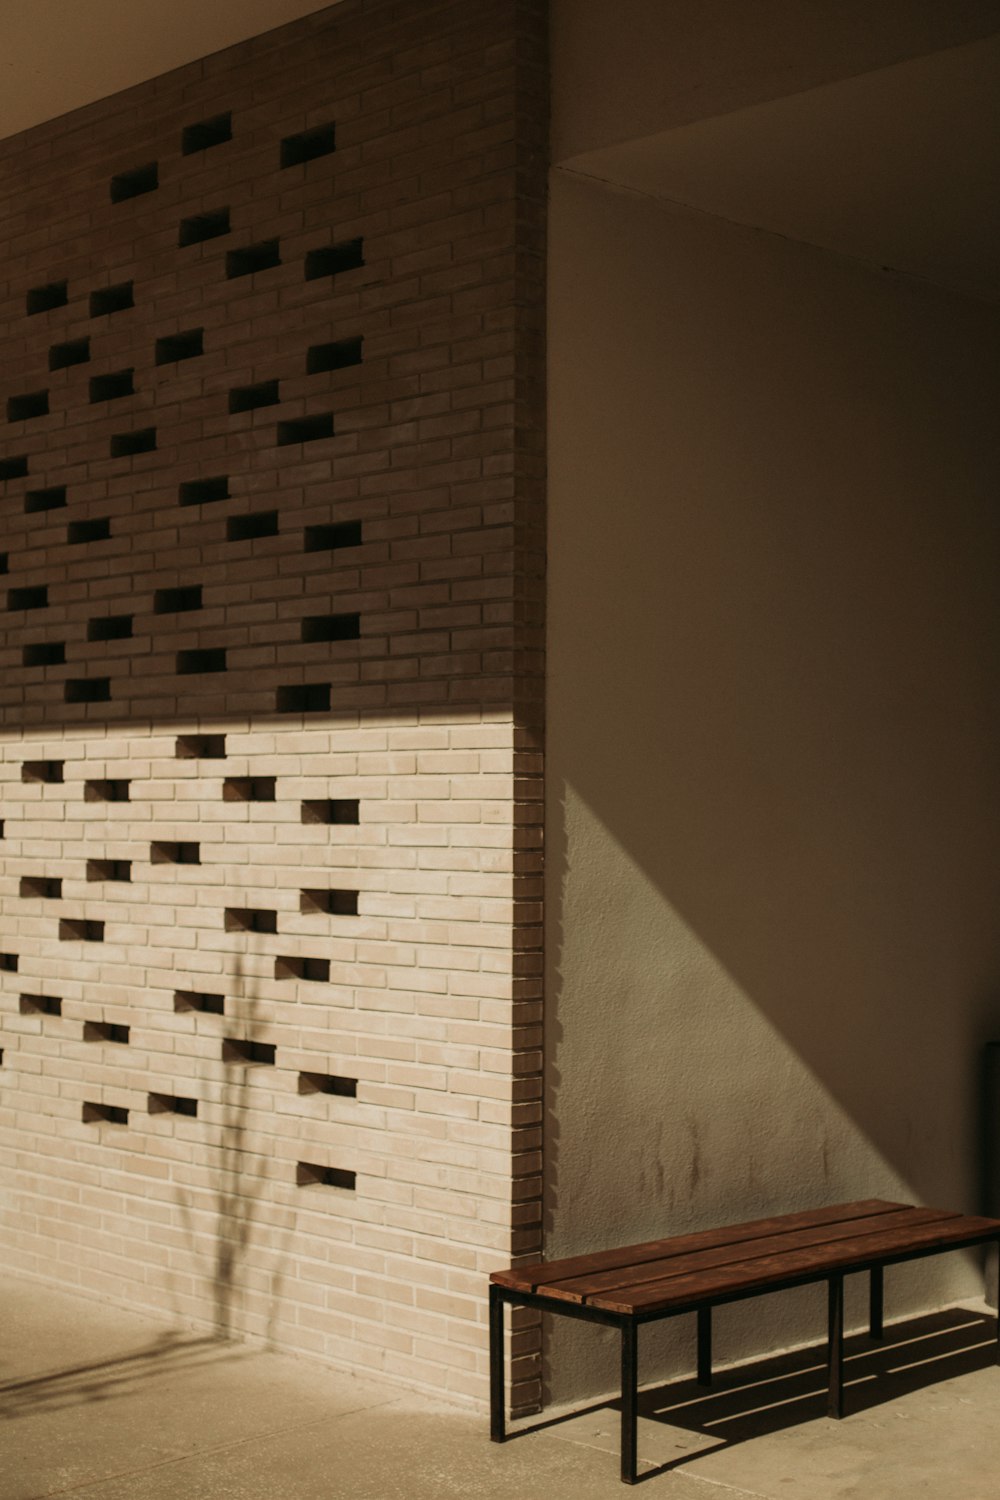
(757, 1274)
(528, 1277)
(586, 1288)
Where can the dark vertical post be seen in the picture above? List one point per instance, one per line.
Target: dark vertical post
(496, 1365)
(875, 1295)
(835, 1347)
(630, 1399)
(704, 1346)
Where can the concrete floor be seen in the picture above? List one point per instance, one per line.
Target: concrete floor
(101, 1404)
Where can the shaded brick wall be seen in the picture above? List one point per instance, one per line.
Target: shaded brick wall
(270, 767)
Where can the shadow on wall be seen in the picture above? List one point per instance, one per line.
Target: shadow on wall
(773, 809)
(238, 1181)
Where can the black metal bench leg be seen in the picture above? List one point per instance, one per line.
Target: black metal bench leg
(704, 1346)
(875, 1296)
(630, 1400)
(497, 1432)
(835, 1346)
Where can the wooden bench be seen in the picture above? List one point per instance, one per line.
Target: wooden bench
(696, 1272)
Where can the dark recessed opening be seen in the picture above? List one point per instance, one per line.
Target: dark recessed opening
(307, 145)
(305, 429)
(135, 182)
(174, 1104)
(251, 258)
(97, 530)
(50, 771)
(178, 346)
(110, 628)
(44, 654)
(345, 627)
(40, 1005)
(250, 919)
(177, 600)
(8, 963)
(23, 408)
(203, 659)
(104, 1114)
(333, 903)
(249, 397)
(124, 444)
(328, 1083)
(212, 1005)
(317, 970)
(87, 690)
(248, 789)
(200, 747)
(109, 869)
(237, 1050)
(200, 227)
(206, 133)
(4, 562)
(331, 535)
(336, 356)
(161, 853)
(74, 352)
(41, 887)
(203, 491)
(310, 1174)
(43, 298)
(106, 1031)
(53, 498)
(248, 527)
(303, 698)
(111, 299)
(330, 260)
(32, 596)
(107, 791)
(332, 810)
(14, 468)
(80, 930)
(110, 387)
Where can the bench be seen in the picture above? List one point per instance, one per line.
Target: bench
(695, 1272)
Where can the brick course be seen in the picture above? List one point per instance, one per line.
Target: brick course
(175, 637)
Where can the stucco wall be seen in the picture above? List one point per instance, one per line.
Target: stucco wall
(771, 803)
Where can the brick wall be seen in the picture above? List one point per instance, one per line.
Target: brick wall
(270, 767)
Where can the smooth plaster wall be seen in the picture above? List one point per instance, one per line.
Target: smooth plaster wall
(772, 811)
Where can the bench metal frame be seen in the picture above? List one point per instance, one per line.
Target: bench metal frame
(629, 1323)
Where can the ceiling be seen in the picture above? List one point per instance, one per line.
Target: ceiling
(56, 55)
(899, 167)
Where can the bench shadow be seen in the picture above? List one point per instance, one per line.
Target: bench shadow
(765, 1397)
(785, 1390)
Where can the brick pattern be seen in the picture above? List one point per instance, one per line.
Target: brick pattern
(270, 678)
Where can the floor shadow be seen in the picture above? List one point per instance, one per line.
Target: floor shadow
(770, 1395)
(758, 1399)
(103, 1380)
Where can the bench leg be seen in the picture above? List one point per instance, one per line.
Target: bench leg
(497, 1432)
(875, 1292)
(704, 1346)
(835, 1346)
(630, 1401)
